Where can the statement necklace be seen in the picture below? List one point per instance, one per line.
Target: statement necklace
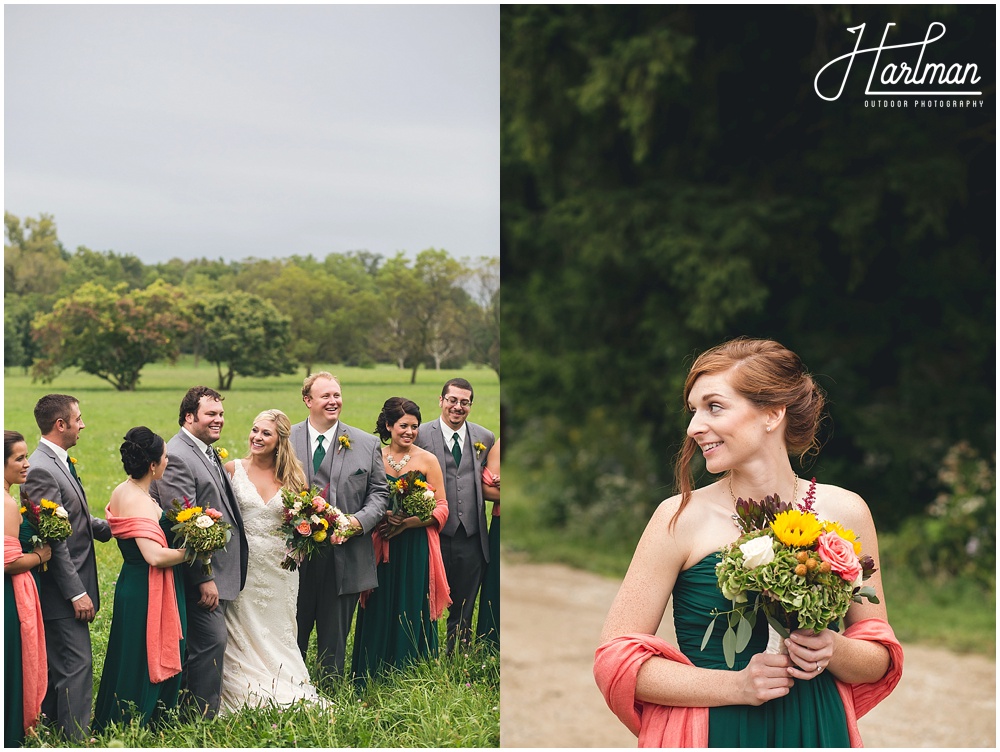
(397, 466)
(736, 519)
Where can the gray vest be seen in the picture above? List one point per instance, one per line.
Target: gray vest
(460, 487)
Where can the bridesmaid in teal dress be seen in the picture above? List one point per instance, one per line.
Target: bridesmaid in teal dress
(488, 625)
(141, 677)
(21, 613)
(752, 405)
(397, 621)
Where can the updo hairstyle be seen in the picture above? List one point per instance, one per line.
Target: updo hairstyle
(287, 469)
(10, 438)
(394, 409)
(140, 449)
(770, 376)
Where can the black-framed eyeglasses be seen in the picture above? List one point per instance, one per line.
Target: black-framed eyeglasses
(452, 401)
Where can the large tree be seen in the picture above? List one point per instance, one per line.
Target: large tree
(423, 302)
(111, 334)
(242, 334)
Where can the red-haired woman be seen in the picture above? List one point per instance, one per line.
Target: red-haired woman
(752, 405)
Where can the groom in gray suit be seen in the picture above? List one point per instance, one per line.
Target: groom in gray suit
(68, 590)
(346, 464)
(195, 473)
(461, 448)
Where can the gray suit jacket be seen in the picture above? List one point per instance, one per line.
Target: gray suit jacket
(354, 481)
(73, 567)
(191, 474)
(431, 439)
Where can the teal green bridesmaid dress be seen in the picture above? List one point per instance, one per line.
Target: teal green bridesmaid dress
(811, 715)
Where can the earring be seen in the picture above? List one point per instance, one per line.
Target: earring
(768, 429)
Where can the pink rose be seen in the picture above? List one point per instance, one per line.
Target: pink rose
(215, 514)
(304, 528)
(840, 554)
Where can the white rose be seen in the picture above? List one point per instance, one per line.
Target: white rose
(204, 521)
(757, 552)
(62, 513)
(428, 495)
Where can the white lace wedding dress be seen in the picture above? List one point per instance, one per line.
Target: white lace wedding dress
(263, 665)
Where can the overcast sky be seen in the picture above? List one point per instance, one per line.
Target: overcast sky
(255, 130)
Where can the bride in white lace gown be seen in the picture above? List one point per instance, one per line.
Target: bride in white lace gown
(263, 665)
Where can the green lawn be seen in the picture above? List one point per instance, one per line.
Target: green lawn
(442, 703)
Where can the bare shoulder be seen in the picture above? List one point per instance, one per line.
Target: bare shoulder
(843, 506)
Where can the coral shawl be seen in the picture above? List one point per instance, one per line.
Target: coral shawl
(34, 663)
(439, 592)
(492, 479)
(617, 663)
(163, 621)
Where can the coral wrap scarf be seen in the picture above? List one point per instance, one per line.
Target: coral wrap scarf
(439, 592)
(616, 668)
(492, 479)
(34, 662)
(163, 620)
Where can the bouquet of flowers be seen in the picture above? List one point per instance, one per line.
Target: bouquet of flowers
(309, 524)
(201, 531)
(411, 496)
(805, 572)
(49, 522)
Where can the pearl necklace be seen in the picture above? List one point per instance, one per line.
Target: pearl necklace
(397, 466)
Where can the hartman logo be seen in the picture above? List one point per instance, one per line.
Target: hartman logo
(917, 77)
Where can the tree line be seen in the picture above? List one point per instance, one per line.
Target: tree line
(669, 181)
(110, 314)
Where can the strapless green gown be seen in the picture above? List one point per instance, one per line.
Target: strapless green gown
(395, 626)
(125, 678)
(13, 689)
(811, 715)
(488, 625)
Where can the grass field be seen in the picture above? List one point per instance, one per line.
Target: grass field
(451, 702)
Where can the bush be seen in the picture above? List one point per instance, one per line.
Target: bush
(956, 538)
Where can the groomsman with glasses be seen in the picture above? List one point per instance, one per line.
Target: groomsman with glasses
(461, 448)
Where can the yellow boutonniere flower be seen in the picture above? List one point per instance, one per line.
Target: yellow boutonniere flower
(223, 454)
(480, 447)
(73, 460)
(345, 443)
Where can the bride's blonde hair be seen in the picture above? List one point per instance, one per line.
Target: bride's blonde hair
(287, 468)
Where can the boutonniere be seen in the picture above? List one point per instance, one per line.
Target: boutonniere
(480, 447)
(222, 453)
(345, 443)
(73, 460)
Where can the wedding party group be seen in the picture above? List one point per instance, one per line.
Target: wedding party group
(230, 567)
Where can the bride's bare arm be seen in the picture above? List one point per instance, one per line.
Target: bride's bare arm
(639, 607)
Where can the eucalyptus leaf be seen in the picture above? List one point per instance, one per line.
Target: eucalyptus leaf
(780, 628)
(708, 634)
(729, 647)
(743, 634)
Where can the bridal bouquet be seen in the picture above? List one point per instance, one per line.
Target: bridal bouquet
(805, 572)
(49, 522)
(201, 531)
(309, 523)
(411, 496)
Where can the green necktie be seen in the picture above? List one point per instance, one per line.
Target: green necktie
(456, 451)
(319, 454)
(72, 469)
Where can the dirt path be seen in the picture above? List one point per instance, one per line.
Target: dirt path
(552, 617)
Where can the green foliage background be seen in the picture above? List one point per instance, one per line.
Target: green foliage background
(670, 182)
(670, 179)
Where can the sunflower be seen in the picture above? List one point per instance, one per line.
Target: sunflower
(795, 528)
(845, 533)
(186, 514)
